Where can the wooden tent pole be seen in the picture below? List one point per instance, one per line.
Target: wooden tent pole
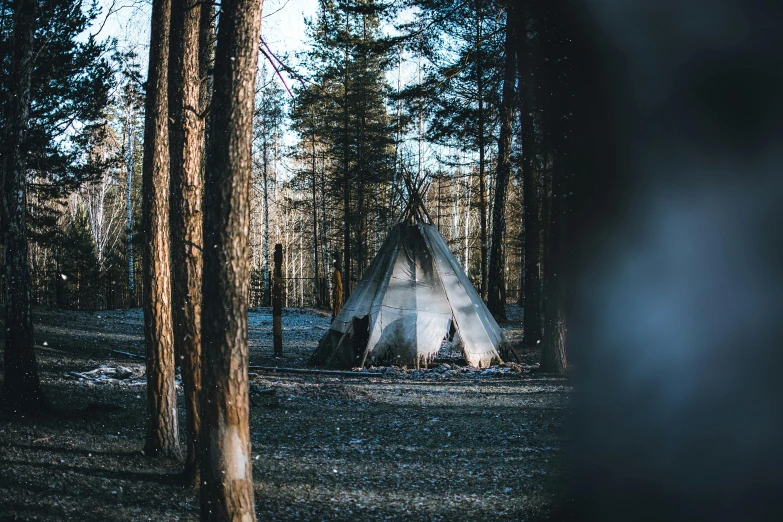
(337, 348)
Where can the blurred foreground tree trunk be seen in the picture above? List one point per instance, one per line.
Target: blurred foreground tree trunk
(226, 471)
(21, 386)
(531, 187)
(557, 105)
(162, 440)
(185, 144)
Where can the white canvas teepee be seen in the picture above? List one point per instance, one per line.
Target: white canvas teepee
(414, 295)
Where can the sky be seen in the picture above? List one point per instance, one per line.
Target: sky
(283, 29)
(283, 24)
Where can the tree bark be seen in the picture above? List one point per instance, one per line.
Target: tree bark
(161, 438)
(277, 303)
(347, 218)
(265, 249)
(128, 207)
(206, 59)
(316, 272)
(226, 472)
(21, 387)
(531, 194)
(553, 351)
(497, 280)
(559, 143)
(185, 142)
(482, 159)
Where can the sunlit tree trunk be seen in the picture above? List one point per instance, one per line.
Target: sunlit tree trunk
(186, 141)
(21, 385)
(161, 393)
(226, 472)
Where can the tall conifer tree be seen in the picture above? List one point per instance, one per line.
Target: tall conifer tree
(226, 471)
(186, 146)
(162, 431)
(21, 386)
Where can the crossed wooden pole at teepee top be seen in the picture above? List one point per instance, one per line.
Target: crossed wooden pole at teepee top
(415, 205)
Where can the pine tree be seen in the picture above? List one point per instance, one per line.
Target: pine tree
(461, 93)
(558, 142)
(268, 122)
(186, 141)
(226, 472)
(71, 80)
(534, 160)
(21, 386)
(348, 91)
(77, 259)
(161, 439)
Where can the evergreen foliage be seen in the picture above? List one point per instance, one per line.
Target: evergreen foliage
(72, 80)
(77, 151)
(344, 104)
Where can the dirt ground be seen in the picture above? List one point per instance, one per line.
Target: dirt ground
(441, 444)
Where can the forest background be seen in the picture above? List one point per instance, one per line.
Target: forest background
(349, 100)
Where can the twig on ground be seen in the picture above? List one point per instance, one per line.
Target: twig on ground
(322, 372)
(130, 354)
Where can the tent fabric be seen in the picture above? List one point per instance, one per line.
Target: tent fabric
(412, 295)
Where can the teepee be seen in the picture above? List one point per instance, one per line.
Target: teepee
(414, 295)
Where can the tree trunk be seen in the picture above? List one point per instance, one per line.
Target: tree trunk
(360, 218)
(185, 141)
(531, 194)
(347, 220)
(497, 280)
(553, 351)
(162, 438)
(128, 207)
(206, 59)
(265, 249)
(316, 274)
(226, 472)
(21, 387)
(558, 141)
(265, 148)
(326, 287)
(482, 159)
(277, 302)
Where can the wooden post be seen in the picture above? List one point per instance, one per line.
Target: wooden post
(277, 302)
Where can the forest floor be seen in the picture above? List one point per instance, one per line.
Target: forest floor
(438, 444)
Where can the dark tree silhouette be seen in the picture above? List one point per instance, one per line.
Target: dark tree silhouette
(21, 386)
(496, 295)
